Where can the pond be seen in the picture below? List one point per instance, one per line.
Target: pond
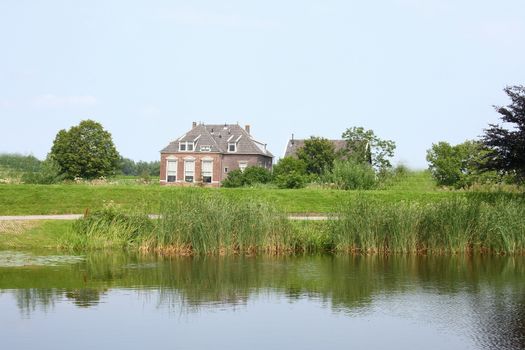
(113, 301)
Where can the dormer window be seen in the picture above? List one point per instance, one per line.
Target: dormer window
(232, 147)
(205, 148)
(186, 146)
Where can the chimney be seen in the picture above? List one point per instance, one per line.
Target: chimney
(194, 124)
(293, 141)
(247, 128)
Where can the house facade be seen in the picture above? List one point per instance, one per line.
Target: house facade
(207, 153)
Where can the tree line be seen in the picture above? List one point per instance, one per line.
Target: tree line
(498, 156)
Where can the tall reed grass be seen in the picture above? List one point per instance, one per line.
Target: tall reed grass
(454, 225)
(194, 222)
(203, 223)
(108, 228)
(210, 223)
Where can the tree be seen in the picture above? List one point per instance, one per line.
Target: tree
(507, 146)
(289, 165)
(458, 165)
(364, 146)
(445, 164)
(85, 151)
(290, 172)
(318, 154)
(256, 175)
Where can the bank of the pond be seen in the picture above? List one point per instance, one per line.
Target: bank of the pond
(33, 235)
(204, 224)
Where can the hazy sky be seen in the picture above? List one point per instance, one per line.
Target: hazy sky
(414, 71)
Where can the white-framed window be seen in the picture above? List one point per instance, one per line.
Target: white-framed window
(243, 165)
(189, 170)
(205, 148)
(171, 170)
(207, 171)
(186, 146)
(225, 170)
(232, 147)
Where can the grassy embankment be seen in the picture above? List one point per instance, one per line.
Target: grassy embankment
(226, 221)
(76, 198)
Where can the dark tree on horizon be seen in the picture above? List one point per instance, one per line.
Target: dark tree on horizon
(506, 145)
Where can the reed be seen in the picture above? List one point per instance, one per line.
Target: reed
(107, 228)
(192, 223)
(211, 224)
(206, 223)
(455, 225)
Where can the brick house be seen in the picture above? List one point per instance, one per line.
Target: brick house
(206, 153)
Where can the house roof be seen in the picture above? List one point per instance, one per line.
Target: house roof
(293, 145)
(217, 137)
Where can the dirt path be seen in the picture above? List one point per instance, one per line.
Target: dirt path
(40, 217)
(153, 216)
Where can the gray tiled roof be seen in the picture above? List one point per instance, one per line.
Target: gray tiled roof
(218, 137)
(294, 145)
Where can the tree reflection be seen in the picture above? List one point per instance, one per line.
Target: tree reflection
(493, 286)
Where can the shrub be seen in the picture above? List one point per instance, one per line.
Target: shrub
(251, 176)
(48, 174)
(351, 175)
(288, 165)
(291, 180)
(234, 179)
(256, 175)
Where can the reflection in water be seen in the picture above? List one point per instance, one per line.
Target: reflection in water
(483, 297)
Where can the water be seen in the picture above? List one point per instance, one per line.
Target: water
(114, 301)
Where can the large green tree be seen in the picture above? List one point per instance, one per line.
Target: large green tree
(507, 145)
(364, 146)
(318, 154)
(85, 151)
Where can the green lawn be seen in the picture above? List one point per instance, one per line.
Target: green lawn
(76, 198)
(20, 199)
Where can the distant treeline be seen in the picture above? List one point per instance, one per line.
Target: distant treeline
(140, 168)
(19, 163)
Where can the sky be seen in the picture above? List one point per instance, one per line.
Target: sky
(414, 71)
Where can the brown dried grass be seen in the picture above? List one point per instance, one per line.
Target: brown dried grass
(16, 227)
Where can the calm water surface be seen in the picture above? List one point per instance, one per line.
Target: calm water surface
(114, 301)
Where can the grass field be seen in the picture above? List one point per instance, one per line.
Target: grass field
(67, 199)
(19, 199)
